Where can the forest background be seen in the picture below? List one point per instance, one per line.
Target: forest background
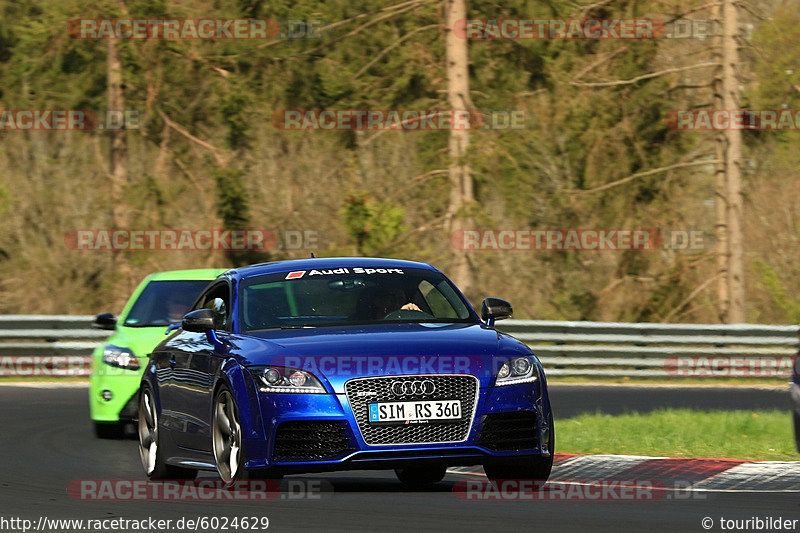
(207, 154)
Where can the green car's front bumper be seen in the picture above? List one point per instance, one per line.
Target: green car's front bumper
(112, 398)
(113, 390)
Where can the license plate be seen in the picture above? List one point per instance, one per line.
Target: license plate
(415, 412)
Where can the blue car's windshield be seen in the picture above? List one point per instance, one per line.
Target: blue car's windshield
(352, 295)
(164, 302)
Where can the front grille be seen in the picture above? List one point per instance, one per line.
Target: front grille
(509, 431)
(302, 440)
(363, 391)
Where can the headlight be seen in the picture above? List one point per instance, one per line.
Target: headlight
(518, 370)
(120, 357)
(286, 379)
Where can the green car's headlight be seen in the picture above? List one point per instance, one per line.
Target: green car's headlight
(518, 370)
(120, 357)
(286, 380)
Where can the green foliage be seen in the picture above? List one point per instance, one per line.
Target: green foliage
(777, 291)
(231, 195)
(777, 43)
(234, 210)
(575, 303)
(5, 197)
(373, 225)
(204, 96)
(234, 108)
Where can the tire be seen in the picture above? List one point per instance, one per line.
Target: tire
(226, 438)
(534, 467)
(109, 430)
(420, 476)
(797, 430)
(150, 450)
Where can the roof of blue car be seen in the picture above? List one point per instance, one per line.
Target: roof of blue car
(324, 262)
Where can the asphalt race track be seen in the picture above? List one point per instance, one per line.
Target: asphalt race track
(571, 400)
(48, 446)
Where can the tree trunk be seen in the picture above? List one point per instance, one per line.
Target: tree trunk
(720, 182)
(118, 172)
(733, 158)
(461, 190)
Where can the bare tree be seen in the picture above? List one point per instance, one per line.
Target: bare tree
(733, 159)
(461, 188)
(118, 169)
(720, 182)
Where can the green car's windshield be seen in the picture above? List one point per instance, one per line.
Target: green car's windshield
(164, 302)
(348, 296)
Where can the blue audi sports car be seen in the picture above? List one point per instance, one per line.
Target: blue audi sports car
(330, 364)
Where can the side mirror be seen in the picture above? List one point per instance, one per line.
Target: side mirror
(495, 309)
(105, 321)
(199, 321)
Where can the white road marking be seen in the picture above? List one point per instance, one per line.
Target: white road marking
(752, 477)
(47, 384)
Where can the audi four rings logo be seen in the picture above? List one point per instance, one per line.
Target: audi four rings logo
(404, 388)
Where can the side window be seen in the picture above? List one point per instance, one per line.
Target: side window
(218, 300)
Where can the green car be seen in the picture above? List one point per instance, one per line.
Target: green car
(117, 365)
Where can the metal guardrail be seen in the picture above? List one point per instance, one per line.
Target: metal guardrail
(48, 345)
(620, 349)
(62, 345)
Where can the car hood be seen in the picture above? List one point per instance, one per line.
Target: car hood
(140, 340)
(339, 354)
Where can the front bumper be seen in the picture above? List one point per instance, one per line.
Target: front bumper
(319, 432)
(124, 390)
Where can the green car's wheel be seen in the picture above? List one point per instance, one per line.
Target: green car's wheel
(797, 430)
(109, 430)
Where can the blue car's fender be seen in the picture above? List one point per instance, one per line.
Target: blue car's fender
(242, 387)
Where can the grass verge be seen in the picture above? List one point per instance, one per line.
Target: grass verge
(753, 435)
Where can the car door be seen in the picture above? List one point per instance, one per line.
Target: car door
(196, 363)
(162, 361)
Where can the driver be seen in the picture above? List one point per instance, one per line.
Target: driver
(393, 300)
(174, 309)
